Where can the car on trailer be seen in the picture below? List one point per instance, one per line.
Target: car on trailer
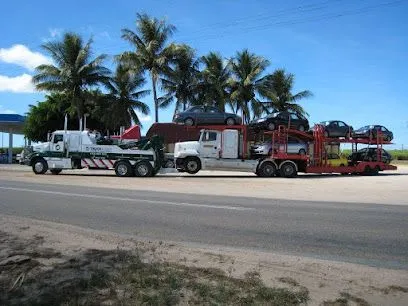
(337, 128)
(285, 118)
(200, 115)
(369, 154)
(374, 131)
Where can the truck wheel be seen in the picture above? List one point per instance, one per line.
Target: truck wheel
(143, 169)
(267, 169)
(123, 169)
(40, 166)
(192, 165)
(55, 171)
(288, 170)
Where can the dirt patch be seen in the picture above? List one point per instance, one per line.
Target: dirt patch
(101, 266)
(123, 277)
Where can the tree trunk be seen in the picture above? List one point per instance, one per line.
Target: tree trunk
(156, 103)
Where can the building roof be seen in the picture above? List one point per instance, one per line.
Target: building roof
(12, 122)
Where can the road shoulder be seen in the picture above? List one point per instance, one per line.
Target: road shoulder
(325, 280)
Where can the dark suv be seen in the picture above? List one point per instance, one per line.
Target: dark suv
(272, 121)
(369, 154)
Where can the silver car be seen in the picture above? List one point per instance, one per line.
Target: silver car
(295, 146)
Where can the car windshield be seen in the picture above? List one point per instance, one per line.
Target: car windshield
(273, 115)
(364, 128)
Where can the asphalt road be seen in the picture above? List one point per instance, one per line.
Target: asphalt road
(375, 235)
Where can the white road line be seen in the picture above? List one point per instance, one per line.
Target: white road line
(128, 199)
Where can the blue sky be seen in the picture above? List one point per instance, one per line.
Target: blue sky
(351, 54)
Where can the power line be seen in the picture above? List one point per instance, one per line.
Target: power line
(263, 16)
(301, 21)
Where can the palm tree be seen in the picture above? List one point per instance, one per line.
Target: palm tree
(152, 51)
(214, 81)
(181, 80)
(280, 94)
(247, 81)
(74, 71)
(124, 96)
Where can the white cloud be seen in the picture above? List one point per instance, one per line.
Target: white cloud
(6, 111)
(143, 118)
(18, 84)
(22, 56)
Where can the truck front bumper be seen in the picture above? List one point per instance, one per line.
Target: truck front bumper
(180, 163)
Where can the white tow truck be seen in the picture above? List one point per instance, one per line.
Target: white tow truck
(76, 149)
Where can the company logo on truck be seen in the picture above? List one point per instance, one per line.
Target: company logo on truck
(97, 149)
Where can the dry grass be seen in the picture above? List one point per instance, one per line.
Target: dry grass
(119, 277)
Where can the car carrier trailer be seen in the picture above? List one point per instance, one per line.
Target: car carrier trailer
(225, 148)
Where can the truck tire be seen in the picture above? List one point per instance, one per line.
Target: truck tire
(40, 166)
(123, 169)
(192, 165)
(266, 169)
(288, 169)
(143, 169)
(55, 171)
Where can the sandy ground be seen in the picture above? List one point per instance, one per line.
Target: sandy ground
(324, 279)
(387, 188)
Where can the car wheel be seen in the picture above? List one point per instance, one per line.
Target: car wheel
(301, 128)
(288, 170)
(55, 171)
(143, 169)
(230, 121)
(271, 126)
(192, 165)
(189, 122)
(302, 152)
(348, 135)
(123, 168)
(326, 134)
(267, 169)
(40, 166)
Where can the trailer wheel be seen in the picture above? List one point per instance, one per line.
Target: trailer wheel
(267, 169)
(367, 170)
(144, 169)
(192, 165)
(40, 166)
(288, 170)
(55, 171)
(123, 169)
(376, 170)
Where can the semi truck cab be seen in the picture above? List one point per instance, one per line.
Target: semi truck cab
(214, 150)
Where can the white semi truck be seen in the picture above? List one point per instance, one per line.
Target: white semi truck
(68, 149)
(224, 149)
